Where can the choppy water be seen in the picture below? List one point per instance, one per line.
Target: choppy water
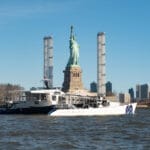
(33, 132)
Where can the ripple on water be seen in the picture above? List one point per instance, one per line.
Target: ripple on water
(33, 132)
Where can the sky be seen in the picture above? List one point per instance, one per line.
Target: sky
(126, 23)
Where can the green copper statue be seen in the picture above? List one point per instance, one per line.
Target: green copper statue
(74, 50)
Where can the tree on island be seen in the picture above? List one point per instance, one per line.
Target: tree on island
(9, 92)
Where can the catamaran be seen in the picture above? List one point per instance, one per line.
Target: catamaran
(87, 106)
(54, 102)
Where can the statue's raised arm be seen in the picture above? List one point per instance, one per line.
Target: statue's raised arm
(74, 50)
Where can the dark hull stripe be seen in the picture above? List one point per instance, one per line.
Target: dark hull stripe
(31, 110)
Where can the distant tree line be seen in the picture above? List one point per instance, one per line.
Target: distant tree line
(9, 92)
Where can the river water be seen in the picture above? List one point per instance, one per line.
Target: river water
(41, 132)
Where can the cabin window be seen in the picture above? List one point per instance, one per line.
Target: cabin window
(43, 97)
(36, 102)
(57, 93)
(54, 98)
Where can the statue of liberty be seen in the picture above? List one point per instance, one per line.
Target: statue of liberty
(74, 50)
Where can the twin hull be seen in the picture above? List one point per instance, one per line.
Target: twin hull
(28, 107)
(101, 111)
(46, 101)
(30, 110)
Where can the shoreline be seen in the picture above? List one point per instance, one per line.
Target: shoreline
(143, 106)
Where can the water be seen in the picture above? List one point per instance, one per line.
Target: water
(33, 132)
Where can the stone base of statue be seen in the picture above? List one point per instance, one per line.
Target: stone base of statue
(72, 79)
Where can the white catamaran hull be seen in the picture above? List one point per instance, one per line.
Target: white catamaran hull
(101, 111)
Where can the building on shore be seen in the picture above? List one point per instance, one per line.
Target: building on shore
(124, 97)
(48, 62)
(93, 87)
(109, 89)
(101, 65)
(131, 92)
(142, 92)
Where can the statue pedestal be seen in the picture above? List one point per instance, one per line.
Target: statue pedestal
(72, 79)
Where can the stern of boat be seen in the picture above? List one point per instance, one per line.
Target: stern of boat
(130, 108)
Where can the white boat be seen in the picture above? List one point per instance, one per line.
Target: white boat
(39, 101)
(114, 108)
(56, 103)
